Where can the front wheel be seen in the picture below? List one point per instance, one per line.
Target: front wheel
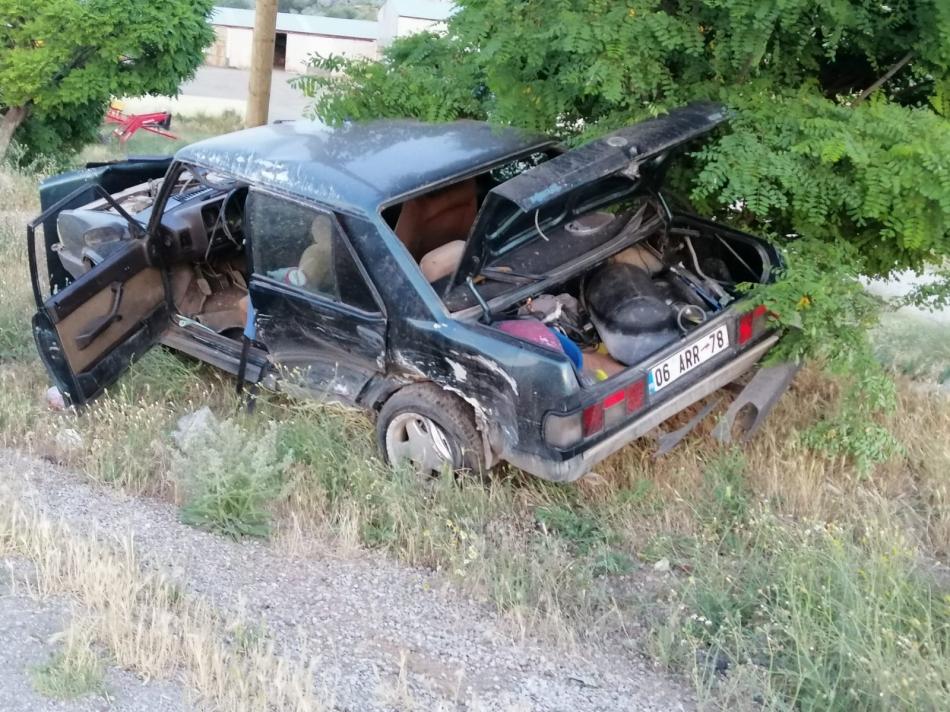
(430, 430)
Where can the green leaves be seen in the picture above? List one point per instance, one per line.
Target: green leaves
(875, 176)
(410, 81)
(64, 59)
(231, 480)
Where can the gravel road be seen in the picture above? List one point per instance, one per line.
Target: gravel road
(28, 628)
(365, 619)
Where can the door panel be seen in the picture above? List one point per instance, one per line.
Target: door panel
(89, 332)
(326, 348)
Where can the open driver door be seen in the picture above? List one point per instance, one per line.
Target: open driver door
(88, 333)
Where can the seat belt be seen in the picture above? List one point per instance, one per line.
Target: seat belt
(249, 335)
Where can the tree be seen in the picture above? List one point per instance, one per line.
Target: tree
(62, 60)
(841, 130)
(839, 149)
(841, 134)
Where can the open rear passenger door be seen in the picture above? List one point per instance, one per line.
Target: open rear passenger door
(88, 333)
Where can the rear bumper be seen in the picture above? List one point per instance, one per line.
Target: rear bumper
(570, 470)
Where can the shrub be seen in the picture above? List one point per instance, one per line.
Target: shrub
(230, 477)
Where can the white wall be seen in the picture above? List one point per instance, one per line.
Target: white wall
(300, 47)
(411, 25)
(395, 19)
(238, 43)
(216, 52)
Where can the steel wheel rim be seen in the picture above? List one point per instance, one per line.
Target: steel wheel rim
(415, 439)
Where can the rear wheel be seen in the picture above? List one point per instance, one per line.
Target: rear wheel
(432, 431)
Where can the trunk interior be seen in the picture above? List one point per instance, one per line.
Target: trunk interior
(638, 300)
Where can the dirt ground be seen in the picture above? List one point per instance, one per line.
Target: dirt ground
(383, 636)
(29, 628)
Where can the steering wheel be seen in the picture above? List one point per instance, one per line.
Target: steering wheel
(232, 213)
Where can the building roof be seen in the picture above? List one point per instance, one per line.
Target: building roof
(300, 24)
(359, 165)
(423, 9)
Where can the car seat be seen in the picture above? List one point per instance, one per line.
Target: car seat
(442, 261)
(433, 220)
(317, 259)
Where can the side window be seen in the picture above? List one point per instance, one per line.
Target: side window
(304, 247)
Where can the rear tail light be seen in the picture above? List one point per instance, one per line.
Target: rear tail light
(592, 420)
(562, 431)
(615, 398)
(751, 324)
(636, 395)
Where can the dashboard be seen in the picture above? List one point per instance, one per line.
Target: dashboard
(201, 221)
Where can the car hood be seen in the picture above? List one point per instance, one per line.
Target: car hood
(622, 151)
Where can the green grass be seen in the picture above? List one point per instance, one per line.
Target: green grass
(813, 616)
(915, 347)
(70, 673)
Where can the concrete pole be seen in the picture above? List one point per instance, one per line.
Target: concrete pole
(262, 63)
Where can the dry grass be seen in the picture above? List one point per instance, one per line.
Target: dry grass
(146, 623)
(912, 487)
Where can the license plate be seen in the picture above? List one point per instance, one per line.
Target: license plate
(688, 358)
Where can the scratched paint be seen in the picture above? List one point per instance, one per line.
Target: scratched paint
(458, 370)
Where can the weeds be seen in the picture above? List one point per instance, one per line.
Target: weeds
(71, 672)
(147, 625)
(820, 617)
(915, 347)
(230, 477)
(576, 526)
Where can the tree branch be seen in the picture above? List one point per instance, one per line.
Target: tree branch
(881, 81)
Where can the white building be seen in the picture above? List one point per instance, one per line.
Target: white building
(398, 18)
(298, 37)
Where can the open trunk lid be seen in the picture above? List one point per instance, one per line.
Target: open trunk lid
(621, 152)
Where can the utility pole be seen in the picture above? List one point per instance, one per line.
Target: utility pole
(262, 63)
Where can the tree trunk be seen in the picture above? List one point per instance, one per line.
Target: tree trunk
(8, 125)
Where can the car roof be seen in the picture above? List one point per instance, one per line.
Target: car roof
(358, 165)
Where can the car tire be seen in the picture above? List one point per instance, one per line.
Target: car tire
(432, 429)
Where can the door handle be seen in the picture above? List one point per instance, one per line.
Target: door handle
(100, 324)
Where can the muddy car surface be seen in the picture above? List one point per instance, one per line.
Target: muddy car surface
(485, 294)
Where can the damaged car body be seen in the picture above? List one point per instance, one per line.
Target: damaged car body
(486, 295)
